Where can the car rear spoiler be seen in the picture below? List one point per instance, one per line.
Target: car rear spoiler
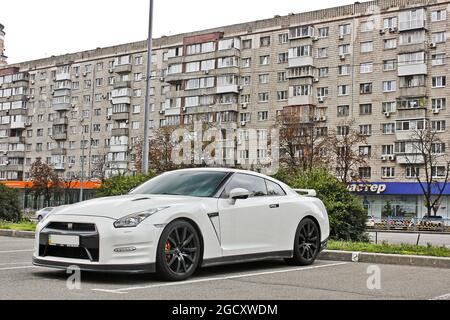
(309, 192)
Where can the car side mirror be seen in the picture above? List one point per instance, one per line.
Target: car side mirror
(239, 194)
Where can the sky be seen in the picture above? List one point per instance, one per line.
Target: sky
(42, 28)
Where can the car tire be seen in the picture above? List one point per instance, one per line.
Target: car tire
(179, 251)
(306, 243)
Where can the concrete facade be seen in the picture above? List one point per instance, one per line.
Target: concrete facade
(378, 62)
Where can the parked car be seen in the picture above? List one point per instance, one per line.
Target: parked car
(41, 214)
(183, 220)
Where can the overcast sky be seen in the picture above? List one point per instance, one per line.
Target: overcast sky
(41, 28)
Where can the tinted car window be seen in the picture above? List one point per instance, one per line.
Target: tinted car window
(255, 185)
(184, 183)
(274, 189)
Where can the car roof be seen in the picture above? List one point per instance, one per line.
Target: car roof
(231, 170)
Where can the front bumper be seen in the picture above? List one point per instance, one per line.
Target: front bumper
(109, 268)
(101, 250)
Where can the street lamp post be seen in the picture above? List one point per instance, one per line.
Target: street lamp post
(146, 148)
(82, 169)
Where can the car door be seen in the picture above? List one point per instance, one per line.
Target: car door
(248, 226)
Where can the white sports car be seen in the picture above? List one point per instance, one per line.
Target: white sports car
(183, 220)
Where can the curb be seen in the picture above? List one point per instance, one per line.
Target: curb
(382, 258)
(17, 234)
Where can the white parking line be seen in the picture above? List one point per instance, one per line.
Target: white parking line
(17, 268)
(126, 290)
(14, 251)
(443, 297)
(14, 263)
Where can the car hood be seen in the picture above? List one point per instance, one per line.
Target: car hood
(121, 206)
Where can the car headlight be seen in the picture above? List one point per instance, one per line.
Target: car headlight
(133, 220)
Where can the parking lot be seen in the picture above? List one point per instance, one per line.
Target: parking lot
(263, 280)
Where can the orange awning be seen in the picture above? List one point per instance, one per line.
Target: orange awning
(72, 185)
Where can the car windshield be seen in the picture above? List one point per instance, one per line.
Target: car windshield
(183, 183)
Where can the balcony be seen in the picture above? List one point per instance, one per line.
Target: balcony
(405, 135)
(410, 159)
(213, 108)
(172, 111)
(301, 100)
(412, 69)
(65, 106)
(122, 84)
(18, 112)
(121, 96)
(59, 152)
(59, 166)
(231, 88)
(20, 140)
(120, 144)
(59, 136)
(123, 68)
(120, 116)
(11, 167)
(18, 124)
(64, 121)
(413, 92)
(16, 154)
(63, 76)
(301, 61)
(413, 47)
(415, 113)
(120, 132)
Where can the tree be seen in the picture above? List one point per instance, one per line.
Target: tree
(302, 139)
(100, 166)
(427, 151)
(9, 204)
(346, 213)
(45, 181)
(343, 146)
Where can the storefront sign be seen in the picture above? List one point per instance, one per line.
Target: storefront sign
(367, 188)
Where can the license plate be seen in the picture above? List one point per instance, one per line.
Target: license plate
(61, 240)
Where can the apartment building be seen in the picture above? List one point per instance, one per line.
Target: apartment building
(381, 63)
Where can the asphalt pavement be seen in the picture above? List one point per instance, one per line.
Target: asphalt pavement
(270, 280)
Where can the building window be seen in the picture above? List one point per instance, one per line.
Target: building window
(412, 172)
(389, 44)
(365, 173)
(323, 72)
(343, 111)
(388, 128)
(387, 172)
(344, 49)
(322, 53)
(438, 103)
(283, 38)
(282, 95)
(387, 150)
(366, 67)
(264, 78)
(247, 44)
(439, 82)
(283, 57)
(439, 126)
(324, 32)
(366, 46)
(365, 109)
(365, 88)
(344, 29)
(264, 41)
(264, 60)
(263, 116)
(390, 22)
(389, 65)
(438, 37)
(365, 129)
(439, 15)
(438, 172)
(438, 59)
(343, 130)
(367, 26)
(343, 90)
(282, 76)
(263, 97)
(135, 125)
(344, 70)
(365, 151)
(246, 63)
(389, 86)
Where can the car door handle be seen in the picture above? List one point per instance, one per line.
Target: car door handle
(274, 206)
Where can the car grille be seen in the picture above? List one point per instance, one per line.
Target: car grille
(67, 226)
(89, 248)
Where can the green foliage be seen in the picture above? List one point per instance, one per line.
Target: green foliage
(121, 185)
(21, 226)
(346, 213)
(405, 249)
(9, 204)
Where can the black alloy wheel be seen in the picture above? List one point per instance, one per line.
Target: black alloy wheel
(307, 243)
(178, 251)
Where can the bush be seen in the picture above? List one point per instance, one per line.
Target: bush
(346, 213)
(121, 185)
(9, 204)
